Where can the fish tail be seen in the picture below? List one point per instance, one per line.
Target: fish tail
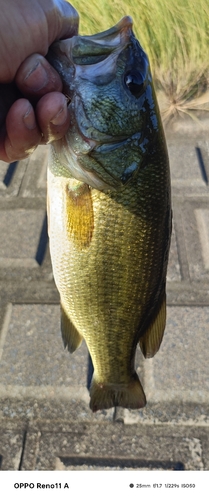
(105, 396)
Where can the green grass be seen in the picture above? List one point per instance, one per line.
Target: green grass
(175, 35)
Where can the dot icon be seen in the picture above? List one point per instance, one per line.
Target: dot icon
(131, 485)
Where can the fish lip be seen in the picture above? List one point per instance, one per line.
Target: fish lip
(124, 27)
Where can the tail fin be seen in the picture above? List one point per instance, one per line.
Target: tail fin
(105, 396)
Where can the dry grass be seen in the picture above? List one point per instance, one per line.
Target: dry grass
(175, 35)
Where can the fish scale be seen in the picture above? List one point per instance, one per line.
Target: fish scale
(110, 234)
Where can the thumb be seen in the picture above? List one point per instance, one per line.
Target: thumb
(65, 23)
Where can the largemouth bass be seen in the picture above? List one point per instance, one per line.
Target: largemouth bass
(109, 210)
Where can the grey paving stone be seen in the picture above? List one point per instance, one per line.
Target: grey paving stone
(176, 412)
(11, 176)
(72, 406)
(28, 287)
(195, 218)
(173, 273)
(77, 446)
(202, 217)
(34, 182)
(11, 446)
(33, 353)
(179, 372)
(3, 170)
(19, 237)
(185, 167)
(205, 450)
(178, 226)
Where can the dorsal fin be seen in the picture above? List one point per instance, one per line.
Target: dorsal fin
(151, 340)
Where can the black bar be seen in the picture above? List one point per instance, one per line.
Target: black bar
(202, 165)
(43, 240)
(23, 450)
(90, 371)
(10, 172)
(132, 463)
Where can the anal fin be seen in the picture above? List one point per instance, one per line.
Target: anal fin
(151, 340)
(70, 335)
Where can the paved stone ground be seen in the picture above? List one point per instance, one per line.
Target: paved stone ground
(45, 421)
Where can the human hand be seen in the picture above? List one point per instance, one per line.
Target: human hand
(32, 108)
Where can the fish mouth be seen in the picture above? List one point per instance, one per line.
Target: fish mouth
(90, 57)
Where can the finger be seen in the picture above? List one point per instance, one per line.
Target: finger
(22, 134)
(8, 95)
(36, 77)
(67, 21)
(53, 116)
(28, 27)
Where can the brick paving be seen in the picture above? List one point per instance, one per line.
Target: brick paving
(45, 421)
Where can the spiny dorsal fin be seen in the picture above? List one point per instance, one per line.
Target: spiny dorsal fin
(70, 335)
(151, 340)
(79, 213)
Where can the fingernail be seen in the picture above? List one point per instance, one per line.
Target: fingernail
(36, 78)
(29, 118)
(61, 117)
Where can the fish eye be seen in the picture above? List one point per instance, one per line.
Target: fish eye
(134, 81)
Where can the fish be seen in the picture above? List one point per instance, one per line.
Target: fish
(109, 210)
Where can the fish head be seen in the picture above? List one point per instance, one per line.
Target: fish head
(114, 115)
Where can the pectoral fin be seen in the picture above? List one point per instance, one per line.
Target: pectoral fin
(79, 214)
(70, 335)
(151, 340)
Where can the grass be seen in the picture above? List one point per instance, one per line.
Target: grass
(175, 35)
